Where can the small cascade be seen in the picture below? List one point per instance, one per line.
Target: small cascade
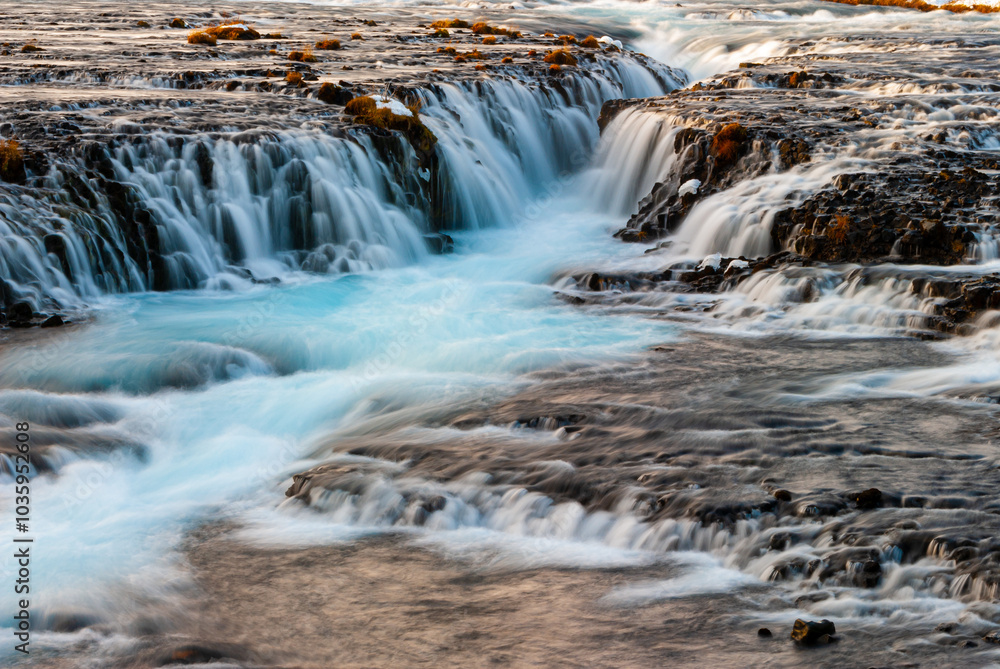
(163, 211)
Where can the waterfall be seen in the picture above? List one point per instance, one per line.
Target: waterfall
(164, 211)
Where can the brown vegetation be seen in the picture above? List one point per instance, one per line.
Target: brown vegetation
(560, 57)
(566, 39)
(837, 232)
(590, 42)
(11, 161)
(441, 32)
(490, 39)
(728, 144)
(328, 45)
(230, 30)
(294, 78)
(507, 60)
(200, 37)
(366, 111)
(357, 36)
(483, 28)
(305, 56)
(31, 48)
(178, 23)
(453, 23)
(142, 24)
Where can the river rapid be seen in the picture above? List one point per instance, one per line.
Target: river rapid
(350, 407)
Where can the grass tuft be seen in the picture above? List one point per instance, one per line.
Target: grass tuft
(483, 28)
(11, 160)
(590, 42)
(560, 57)
(304, 56)
(728, 144)
(328, 45)
(450, 23)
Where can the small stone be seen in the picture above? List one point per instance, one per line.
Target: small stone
(53, 322)
(782, 495)
(967, 644)
(992, 637)
(764, 633)
(809, 632)
(869, 499)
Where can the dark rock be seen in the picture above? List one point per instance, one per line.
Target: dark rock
(20, 312)
(992, 637)
(54, 321)
(868, 499)
(764, 633)
(782, 495)
(810, 632)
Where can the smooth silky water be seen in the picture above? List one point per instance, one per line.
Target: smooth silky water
(220, 392)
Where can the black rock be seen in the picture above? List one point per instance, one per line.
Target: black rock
(868, 499)
(811, 632)
(20, 312)
(53, 322)
(764, 633)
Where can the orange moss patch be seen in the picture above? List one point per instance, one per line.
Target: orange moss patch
(560, 57)
(305, 56)
(294, 78)
(200, 37)
(11, 161)
(178, 23)
(482, 66)
(356, 36)
(452, 23)
(31, 48)
(590, 42)
(328, 45)
(232, 30)
(838, 231)
(475, 54)
(553, 68)
(367, 112)
(441, 32)
(507, 60)
(566, 39)
(490, 39)
(142, 24)
(447, 49)
(483, 28)
(728, 143)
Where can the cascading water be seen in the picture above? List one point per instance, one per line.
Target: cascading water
(476, 405)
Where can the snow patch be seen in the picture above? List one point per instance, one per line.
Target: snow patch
(393, 105)
(690, 186)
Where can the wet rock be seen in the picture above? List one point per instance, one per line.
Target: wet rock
(782, 495)
(20, 312)
(993, 637)
(198, 654)
(54, 321)
(764, 633)
(812, 632)
(868, 499)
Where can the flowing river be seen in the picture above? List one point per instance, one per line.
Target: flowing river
(502, 467)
